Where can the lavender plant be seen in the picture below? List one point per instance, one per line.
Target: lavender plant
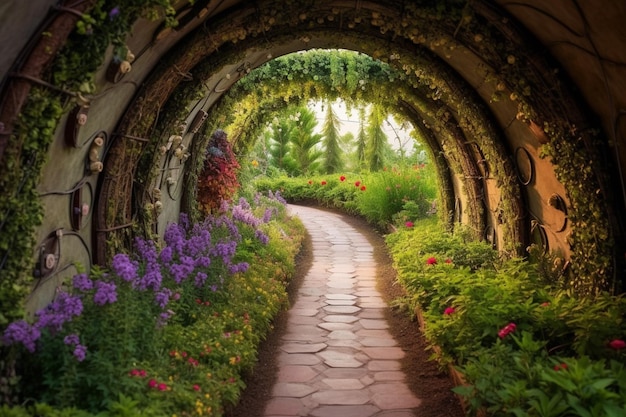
(104, 336)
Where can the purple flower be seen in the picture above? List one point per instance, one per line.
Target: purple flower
(197, 245)
(183, 219)
(240, 267)
(267, 216)
(276, 196)
(200, 279)
(244, 215)
(262, 237)
(114, 12)
(124, 267)
(147, 250)
(105, 293)
(163, 297)
(79, 352)
(82, 282)
(21, 332)
(167, 254)
(71, 339)
(164, 317)
(151, 279)
(63, 309)
(203, 262)
(181, 271)
(174, 236)
(243, 203)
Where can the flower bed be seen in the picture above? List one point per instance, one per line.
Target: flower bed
(524, 345)
(169, 330)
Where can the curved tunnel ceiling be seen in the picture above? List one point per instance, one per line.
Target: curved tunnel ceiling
(479, 86)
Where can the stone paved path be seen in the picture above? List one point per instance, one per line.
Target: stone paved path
(337, 357)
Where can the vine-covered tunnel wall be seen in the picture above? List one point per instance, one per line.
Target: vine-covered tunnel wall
(107, 106)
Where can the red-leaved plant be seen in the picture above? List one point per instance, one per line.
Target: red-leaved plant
(218, 180)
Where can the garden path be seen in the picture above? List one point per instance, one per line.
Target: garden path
(338, 357)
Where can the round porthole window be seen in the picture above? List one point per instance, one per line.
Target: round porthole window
(524, 165)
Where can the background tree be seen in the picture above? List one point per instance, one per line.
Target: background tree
(361, 140)
(333, 161)
(305, 142)
(280, 144)
(377, 146)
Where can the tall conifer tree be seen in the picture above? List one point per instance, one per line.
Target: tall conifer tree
(333, 161)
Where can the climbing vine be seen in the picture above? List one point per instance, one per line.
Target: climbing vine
(71, 75)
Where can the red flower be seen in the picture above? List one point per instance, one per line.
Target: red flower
(617, 344)
(509, 328)
(310, 182)
(449, 310)
(152, 383)
(448, 261)
(561, 366)
(356, 184)
(408, 224)
(162, 387)
(546, 304)
(431, 261)
(342, 178)
(362, 188)
(196, 387)
(323, 183)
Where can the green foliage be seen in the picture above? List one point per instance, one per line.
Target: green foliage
(376, 140)
(20, 210)
(72, 69)
(333, 154)
(390, 192)
(505, 326)
(137, 366)
(379, 197)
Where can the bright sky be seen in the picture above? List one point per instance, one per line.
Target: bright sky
(350, 123)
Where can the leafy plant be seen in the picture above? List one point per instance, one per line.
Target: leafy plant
(170, 329)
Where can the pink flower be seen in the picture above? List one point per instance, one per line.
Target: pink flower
(431, 261)
(449, 310)
(162, 387)
(196, 387)
(152, 383)
(342, 178)
(408, 224)
(509, 328)
(617, 344)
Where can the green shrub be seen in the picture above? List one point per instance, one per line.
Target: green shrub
(167, 330)
(506, 325)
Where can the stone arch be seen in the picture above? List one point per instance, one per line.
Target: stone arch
(508, 102)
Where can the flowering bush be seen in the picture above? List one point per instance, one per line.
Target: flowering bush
(397, 195)
(169, 328)
(218, 180)
(563, 355)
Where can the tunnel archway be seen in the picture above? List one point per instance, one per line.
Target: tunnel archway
(477, 81)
